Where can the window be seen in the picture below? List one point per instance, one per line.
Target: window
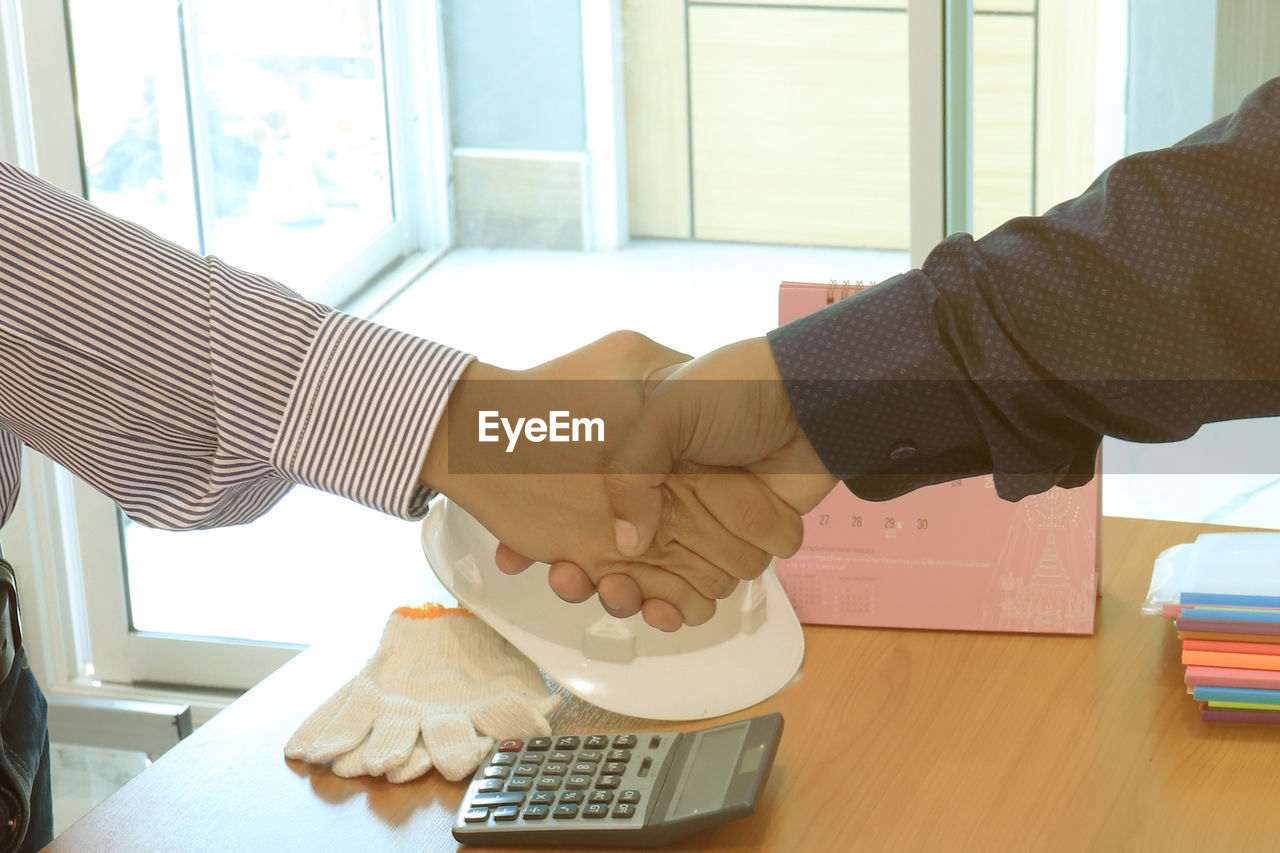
(735, 144)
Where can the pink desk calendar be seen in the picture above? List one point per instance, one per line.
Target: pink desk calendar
(951, 556)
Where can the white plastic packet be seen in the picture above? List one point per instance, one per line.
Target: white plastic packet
(1227, 563)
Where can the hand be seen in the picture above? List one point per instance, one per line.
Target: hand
(691, 558)
(727, 408)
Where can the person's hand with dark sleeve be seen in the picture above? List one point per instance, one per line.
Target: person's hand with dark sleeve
(1146, 307)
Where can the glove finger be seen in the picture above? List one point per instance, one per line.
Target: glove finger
(303, 739)
(456, 749)
(418, 763)
(390, 742)
(348, 728)
(512, 715)
(353, 763)
(547, 705)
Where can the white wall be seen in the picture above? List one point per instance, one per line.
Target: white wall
(515, 74)
(1171, 61)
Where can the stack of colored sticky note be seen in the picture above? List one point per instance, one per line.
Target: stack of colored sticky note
(1231, 647)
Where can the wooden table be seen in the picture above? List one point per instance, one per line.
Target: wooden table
(906, 740)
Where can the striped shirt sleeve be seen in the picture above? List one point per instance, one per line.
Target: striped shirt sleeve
(10, 473)
(194, 394)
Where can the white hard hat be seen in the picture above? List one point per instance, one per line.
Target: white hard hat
(744, 654)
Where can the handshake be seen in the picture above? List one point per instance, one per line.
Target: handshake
(654, 480)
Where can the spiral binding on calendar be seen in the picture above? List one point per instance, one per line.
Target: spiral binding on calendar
(843, 290)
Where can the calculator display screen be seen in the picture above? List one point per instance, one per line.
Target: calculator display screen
(711, 767)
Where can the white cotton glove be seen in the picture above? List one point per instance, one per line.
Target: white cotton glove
(437, 692)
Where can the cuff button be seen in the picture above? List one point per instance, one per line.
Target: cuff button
(902, 452)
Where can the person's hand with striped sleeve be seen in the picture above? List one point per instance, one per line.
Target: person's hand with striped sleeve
(548, 501)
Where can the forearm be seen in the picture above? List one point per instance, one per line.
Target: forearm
(1143, 309)
(193, 393)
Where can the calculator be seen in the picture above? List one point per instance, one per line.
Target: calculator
(617, 790)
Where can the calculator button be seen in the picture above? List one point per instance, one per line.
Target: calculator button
(532, 758)
(608, 781)
(555, 769)
(511, 746)
(624, 810)
(497, 772)
(519, 783)
(619, 755)
(585, 767)
(487, 800)
(595, 810)
(571, 798)
(567, 742)
(629, 797)
(561, 757)
(540, 744)
(489, 786)
(655, 741)
(578, 782)
(536, 812)
(614, 768)
(624, 742)
(548, 783)
(504, 759)
(476, 815)
(592, 755)
(545, 798)
(525, 770)
(605, 797)
(505, 813)
(565, 812)
(596, 742)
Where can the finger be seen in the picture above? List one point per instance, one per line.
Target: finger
(349, 726)
(708, 555)
(635, 474)
(706, 577)
(303, 740)
(657, 582)
(455, 748)
(662, 615)
(511, 561)
(351, 764)
(508, 715)
(390, 742)
(751, 514)
(620, 595)
(570, 582)
(418, 763)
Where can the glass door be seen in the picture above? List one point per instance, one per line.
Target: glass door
(255, 131)
(274, 134)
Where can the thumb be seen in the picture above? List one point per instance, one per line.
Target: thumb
(635, 474)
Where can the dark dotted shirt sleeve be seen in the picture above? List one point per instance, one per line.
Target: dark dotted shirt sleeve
(1146, 307)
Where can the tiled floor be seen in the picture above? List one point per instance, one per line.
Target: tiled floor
(84, 776)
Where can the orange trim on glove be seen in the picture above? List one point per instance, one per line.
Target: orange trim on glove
(431, 610)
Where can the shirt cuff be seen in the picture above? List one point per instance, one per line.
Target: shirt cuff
(883, 402)
(364, 411)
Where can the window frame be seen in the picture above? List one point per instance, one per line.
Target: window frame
(65, 536)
